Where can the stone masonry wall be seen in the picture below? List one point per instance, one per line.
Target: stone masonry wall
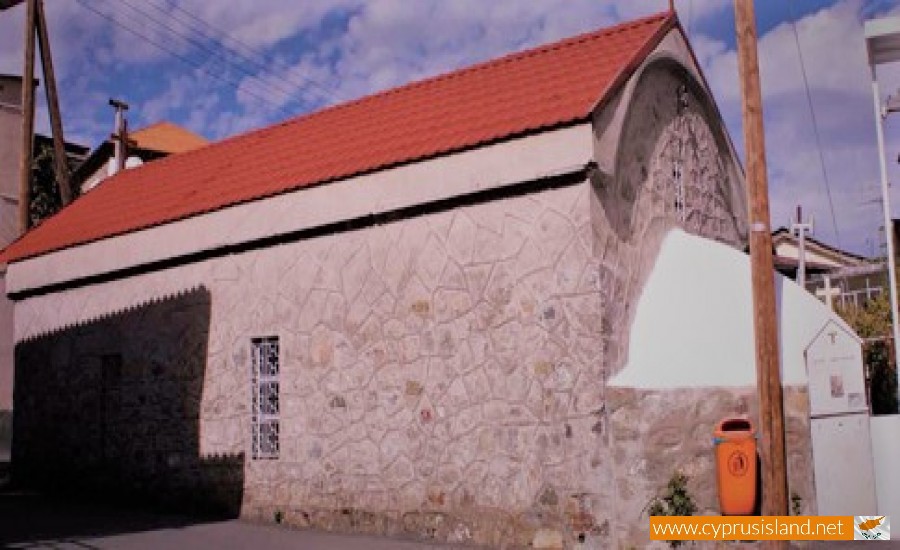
(660, 432)
(440, 376)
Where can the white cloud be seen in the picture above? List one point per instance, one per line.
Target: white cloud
(250, 23)
(707, 49)
(390, 42)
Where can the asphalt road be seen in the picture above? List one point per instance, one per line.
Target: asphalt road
(32, 521)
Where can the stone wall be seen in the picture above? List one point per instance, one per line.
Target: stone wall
(658, 433)
(440, 376)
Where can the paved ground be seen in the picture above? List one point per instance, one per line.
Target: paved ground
(30, 521)
(856, 545)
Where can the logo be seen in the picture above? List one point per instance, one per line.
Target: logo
(738, 463)
(871, 528)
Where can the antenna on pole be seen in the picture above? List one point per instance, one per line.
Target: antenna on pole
(120, 136)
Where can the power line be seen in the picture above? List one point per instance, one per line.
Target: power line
(211, 53)
(812, 113)
(286, 93)
(221, 36)
(264, 88)
(179, 56)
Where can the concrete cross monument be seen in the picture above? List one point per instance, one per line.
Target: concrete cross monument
(828, 292)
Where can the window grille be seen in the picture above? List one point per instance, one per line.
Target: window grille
(678, 178)
(265, 408)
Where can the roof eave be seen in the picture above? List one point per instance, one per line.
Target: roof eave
(634, 63)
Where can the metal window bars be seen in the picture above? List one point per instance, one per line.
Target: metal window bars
(265, 406)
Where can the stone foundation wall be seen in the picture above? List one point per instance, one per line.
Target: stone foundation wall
(656, 433)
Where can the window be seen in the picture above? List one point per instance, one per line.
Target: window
(265, 397)
(678, 178)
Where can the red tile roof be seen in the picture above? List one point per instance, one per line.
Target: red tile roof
(550, 86)
(167, 137)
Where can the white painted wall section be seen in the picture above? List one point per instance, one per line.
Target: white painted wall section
(693, 327)
(886, 452)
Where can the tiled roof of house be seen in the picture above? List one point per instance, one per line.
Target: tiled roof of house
(151, 142)
(167, 137)
(550, 86)
(844, 257)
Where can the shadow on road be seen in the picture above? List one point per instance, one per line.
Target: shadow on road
(30, 518)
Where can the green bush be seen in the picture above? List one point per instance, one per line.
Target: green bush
(883, 373)
(873, 323)
(674, 501)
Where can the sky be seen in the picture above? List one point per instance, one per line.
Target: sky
(224, 67)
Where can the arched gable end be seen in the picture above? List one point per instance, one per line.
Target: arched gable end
(673, 160)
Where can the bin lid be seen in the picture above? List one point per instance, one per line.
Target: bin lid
(736, 425)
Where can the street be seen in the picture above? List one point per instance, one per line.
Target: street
(32, 521)
(29, 520)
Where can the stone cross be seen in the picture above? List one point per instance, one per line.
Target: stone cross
(828, 292)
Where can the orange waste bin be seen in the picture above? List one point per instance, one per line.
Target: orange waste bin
(735, 443)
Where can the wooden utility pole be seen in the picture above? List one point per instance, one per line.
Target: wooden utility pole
(36, 24)
(27, 120)
(59, 143)
(768, 371)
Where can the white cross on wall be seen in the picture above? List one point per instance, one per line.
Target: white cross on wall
(828, 292)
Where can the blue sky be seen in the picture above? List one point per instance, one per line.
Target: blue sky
(224, 67)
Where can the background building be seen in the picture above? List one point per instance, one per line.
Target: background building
(147, 144)
(42, 184)
(850, 279)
